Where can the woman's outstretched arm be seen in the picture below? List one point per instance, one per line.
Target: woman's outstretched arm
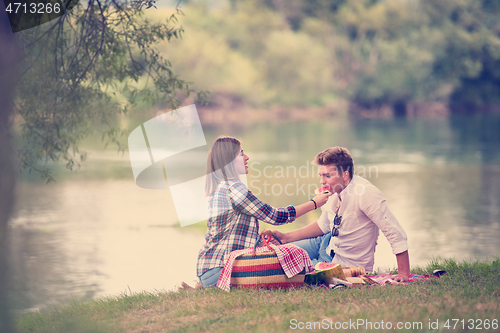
(245, 201)
(319, 201)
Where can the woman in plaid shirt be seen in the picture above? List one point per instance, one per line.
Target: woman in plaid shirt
(234, 211)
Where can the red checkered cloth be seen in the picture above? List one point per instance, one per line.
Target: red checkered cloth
(292, 259)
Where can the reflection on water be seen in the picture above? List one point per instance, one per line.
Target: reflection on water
(90, 239)
(96, 233)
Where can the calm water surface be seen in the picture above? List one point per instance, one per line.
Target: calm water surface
(95, 233)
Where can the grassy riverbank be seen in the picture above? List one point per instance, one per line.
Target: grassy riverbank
(470, 290)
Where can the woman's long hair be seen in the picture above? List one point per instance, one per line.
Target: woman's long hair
(220, 164)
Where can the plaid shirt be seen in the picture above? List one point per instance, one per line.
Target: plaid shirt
(233, 224)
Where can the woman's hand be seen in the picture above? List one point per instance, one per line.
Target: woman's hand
(268, 234)
(321, 199)
(282, 236)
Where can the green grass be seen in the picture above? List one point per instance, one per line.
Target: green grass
(470, 290)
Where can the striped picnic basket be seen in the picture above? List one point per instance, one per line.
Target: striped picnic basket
(262, 270)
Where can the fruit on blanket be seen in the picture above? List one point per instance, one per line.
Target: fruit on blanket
(323, 190)
(317, 277)
(336, 268)
(321, 266)
(324, 271)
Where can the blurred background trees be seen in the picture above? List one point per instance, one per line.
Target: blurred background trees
(82, 72)
(372, 53)
(87, 69)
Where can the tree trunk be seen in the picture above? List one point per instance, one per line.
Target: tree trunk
(9, 54)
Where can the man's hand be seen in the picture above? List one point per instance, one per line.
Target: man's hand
(400, 278)
(403, 267)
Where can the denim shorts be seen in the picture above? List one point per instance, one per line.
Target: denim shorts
(210, 277)
(316, 248)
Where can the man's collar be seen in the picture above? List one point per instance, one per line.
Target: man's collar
(344, 192)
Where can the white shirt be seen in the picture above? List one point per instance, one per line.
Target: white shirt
(364, 211)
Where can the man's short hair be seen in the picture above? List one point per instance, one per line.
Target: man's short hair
(338, 156)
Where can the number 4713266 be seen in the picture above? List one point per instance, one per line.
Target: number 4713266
(471, 324)
(33, 8)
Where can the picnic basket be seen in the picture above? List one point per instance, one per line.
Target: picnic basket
(262, 270)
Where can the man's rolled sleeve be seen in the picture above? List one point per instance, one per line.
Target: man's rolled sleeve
(377, 210)
(324, 222)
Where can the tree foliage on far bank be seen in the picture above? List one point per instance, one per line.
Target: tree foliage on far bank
(371, 52)
(83, 70)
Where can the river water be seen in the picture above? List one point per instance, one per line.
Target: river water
(95, 233)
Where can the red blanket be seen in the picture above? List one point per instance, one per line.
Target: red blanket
(385, 279)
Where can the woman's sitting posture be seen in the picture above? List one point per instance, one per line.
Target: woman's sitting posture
(234, 212)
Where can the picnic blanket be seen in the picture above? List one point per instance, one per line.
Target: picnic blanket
(292, 259)
(385, 279)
